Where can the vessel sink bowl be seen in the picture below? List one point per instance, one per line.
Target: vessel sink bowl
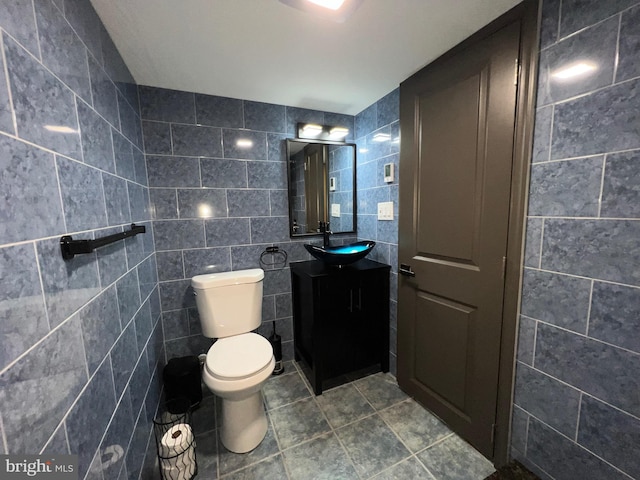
(342, 254)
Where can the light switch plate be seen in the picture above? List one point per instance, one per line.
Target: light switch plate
(335, 209)
(385, 211)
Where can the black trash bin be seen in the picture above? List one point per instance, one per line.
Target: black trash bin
(181, 378)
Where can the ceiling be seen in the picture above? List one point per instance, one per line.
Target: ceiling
(266, 51)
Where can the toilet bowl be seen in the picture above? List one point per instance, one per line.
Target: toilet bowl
(239, 363)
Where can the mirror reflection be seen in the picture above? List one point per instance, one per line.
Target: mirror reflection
(321, 186)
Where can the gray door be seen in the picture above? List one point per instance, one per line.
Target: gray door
(457, 120)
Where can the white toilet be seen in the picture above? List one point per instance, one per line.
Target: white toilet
(239, 362)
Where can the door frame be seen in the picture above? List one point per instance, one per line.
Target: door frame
(527, 14)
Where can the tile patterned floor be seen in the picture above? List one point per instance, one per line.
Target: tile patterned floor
(366, 429)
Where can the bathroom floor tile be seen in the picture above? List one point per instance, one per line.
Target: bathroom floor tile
(207, 455)
(322, 458)
(230, 462)
(343, 405)
(381, 390)
(203, 418)
(298, 422)
(410, 469)
(372, 445)
(453, 458)
(284, 389)
(270, 469)
(415, 426)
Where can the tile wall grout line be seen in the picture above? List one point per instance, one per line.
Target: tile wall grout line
(604, 168)
(616, 61)
(589, 308)
(8, 82)
(575, 438)
(599, 280)
(44, 298)
(35, 23)
(5, 442)
(541, 244)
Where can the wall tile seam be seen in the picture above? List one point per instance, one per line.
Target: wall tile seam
(581, 335)
(5, 72)
(3, 436)
(35, 22)
(599, 280)
(73, 92)
(586, 157)
(578, 445)
(167, 155)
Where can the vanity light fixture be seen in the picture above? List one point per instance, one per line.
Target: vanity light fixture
(322, 132)
(336, 10)
(575, 70)
(381, 137)
(60, 129)
(244, 143)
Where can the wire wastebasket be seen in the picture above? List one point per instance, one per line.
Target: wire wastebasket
(175, 443)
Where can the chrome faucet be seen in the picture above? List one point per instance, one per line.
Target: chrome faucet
(324, 229)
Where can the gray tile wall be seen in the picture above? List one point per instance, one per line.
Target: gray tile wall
(216, 206)
(577, 392)
(380, 117)
(80, 340)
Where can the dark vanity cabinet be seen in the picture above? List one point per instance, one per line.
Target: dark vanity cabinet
(340, 319)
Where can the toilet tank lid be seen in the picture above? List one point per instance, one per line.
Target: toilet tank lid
(211, 280)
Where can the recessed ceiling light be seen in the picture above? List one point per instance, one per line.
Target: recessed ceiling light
(331, 4)
(575, 70)
(336, 10)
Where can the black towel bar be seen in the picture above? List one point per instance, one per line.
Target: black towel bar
(71, 247)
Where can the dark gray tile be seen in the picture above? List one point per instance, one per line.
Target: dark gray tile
(388, 108)
(248, 203)
(366, 121)
(550, 451)
(578, 14)
(533, 241)
(170, 265)
(208, 260)
(322, 458)
(21, 302)
(615, 315)
(31, 199)
(123, 357)
(248, 256)
(176, 295)
(526, 340)
(277, 281)
(244, 144)
(82, 195)
(549, 23)
(100, 322)
(207, 456)
(196, 141)
(57, 444)
(283, 305)
(608, 117)
(138, 384)
(595, 46)
(6, 115)
(164, 203)
(267, 175)
(229, 462)
(547, 399)
(592, 248)
(629, 46)
(147, 276)
(140, 167)
(157, 138)
(130, 124)
(128, 296)
(218, 111)
(19, 21)
(178, 234)
(62, 51)
(139, 204)
(415, 426)
(381, 390)
(557, 299)
(610, 434)
(519, 426)
(30, 389)
(140, 246)
(606, 372)
(268, 309)
(97, 148)
(371, 445)
(118, 435)
(112, 259)
(210, 203)
(173, 172)
(142, 323)
(137, 447)
(193, 345)
(276, 148)
(542, 133)
(123, 154)
(104, 94)
(204, 418)
(298, 422)
(221, 173)
(284, 389)
(225, 232)
(279, 202)
(85, 21)
(41, 100)
(269, 229)
(567, 188)
(620, 189)
(166, 105)
(265, 117)
(453, 458)
(117, 199)
(89, 417)
(410, 469)
(68, 284)
(175, 324)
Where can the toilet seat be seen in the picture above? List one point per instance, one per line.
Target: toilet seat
(239, 356)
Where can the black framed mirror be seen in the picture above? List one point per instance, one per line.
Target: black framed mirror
(322, 186)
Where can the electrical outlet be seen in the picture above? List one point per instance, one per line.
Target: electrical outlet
(385, 211)
(335, 210)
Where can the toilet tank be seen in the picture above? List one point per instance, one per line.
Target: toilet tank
(229, 303)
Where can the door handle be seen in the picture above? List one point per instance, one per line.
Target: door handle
(406, 270)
